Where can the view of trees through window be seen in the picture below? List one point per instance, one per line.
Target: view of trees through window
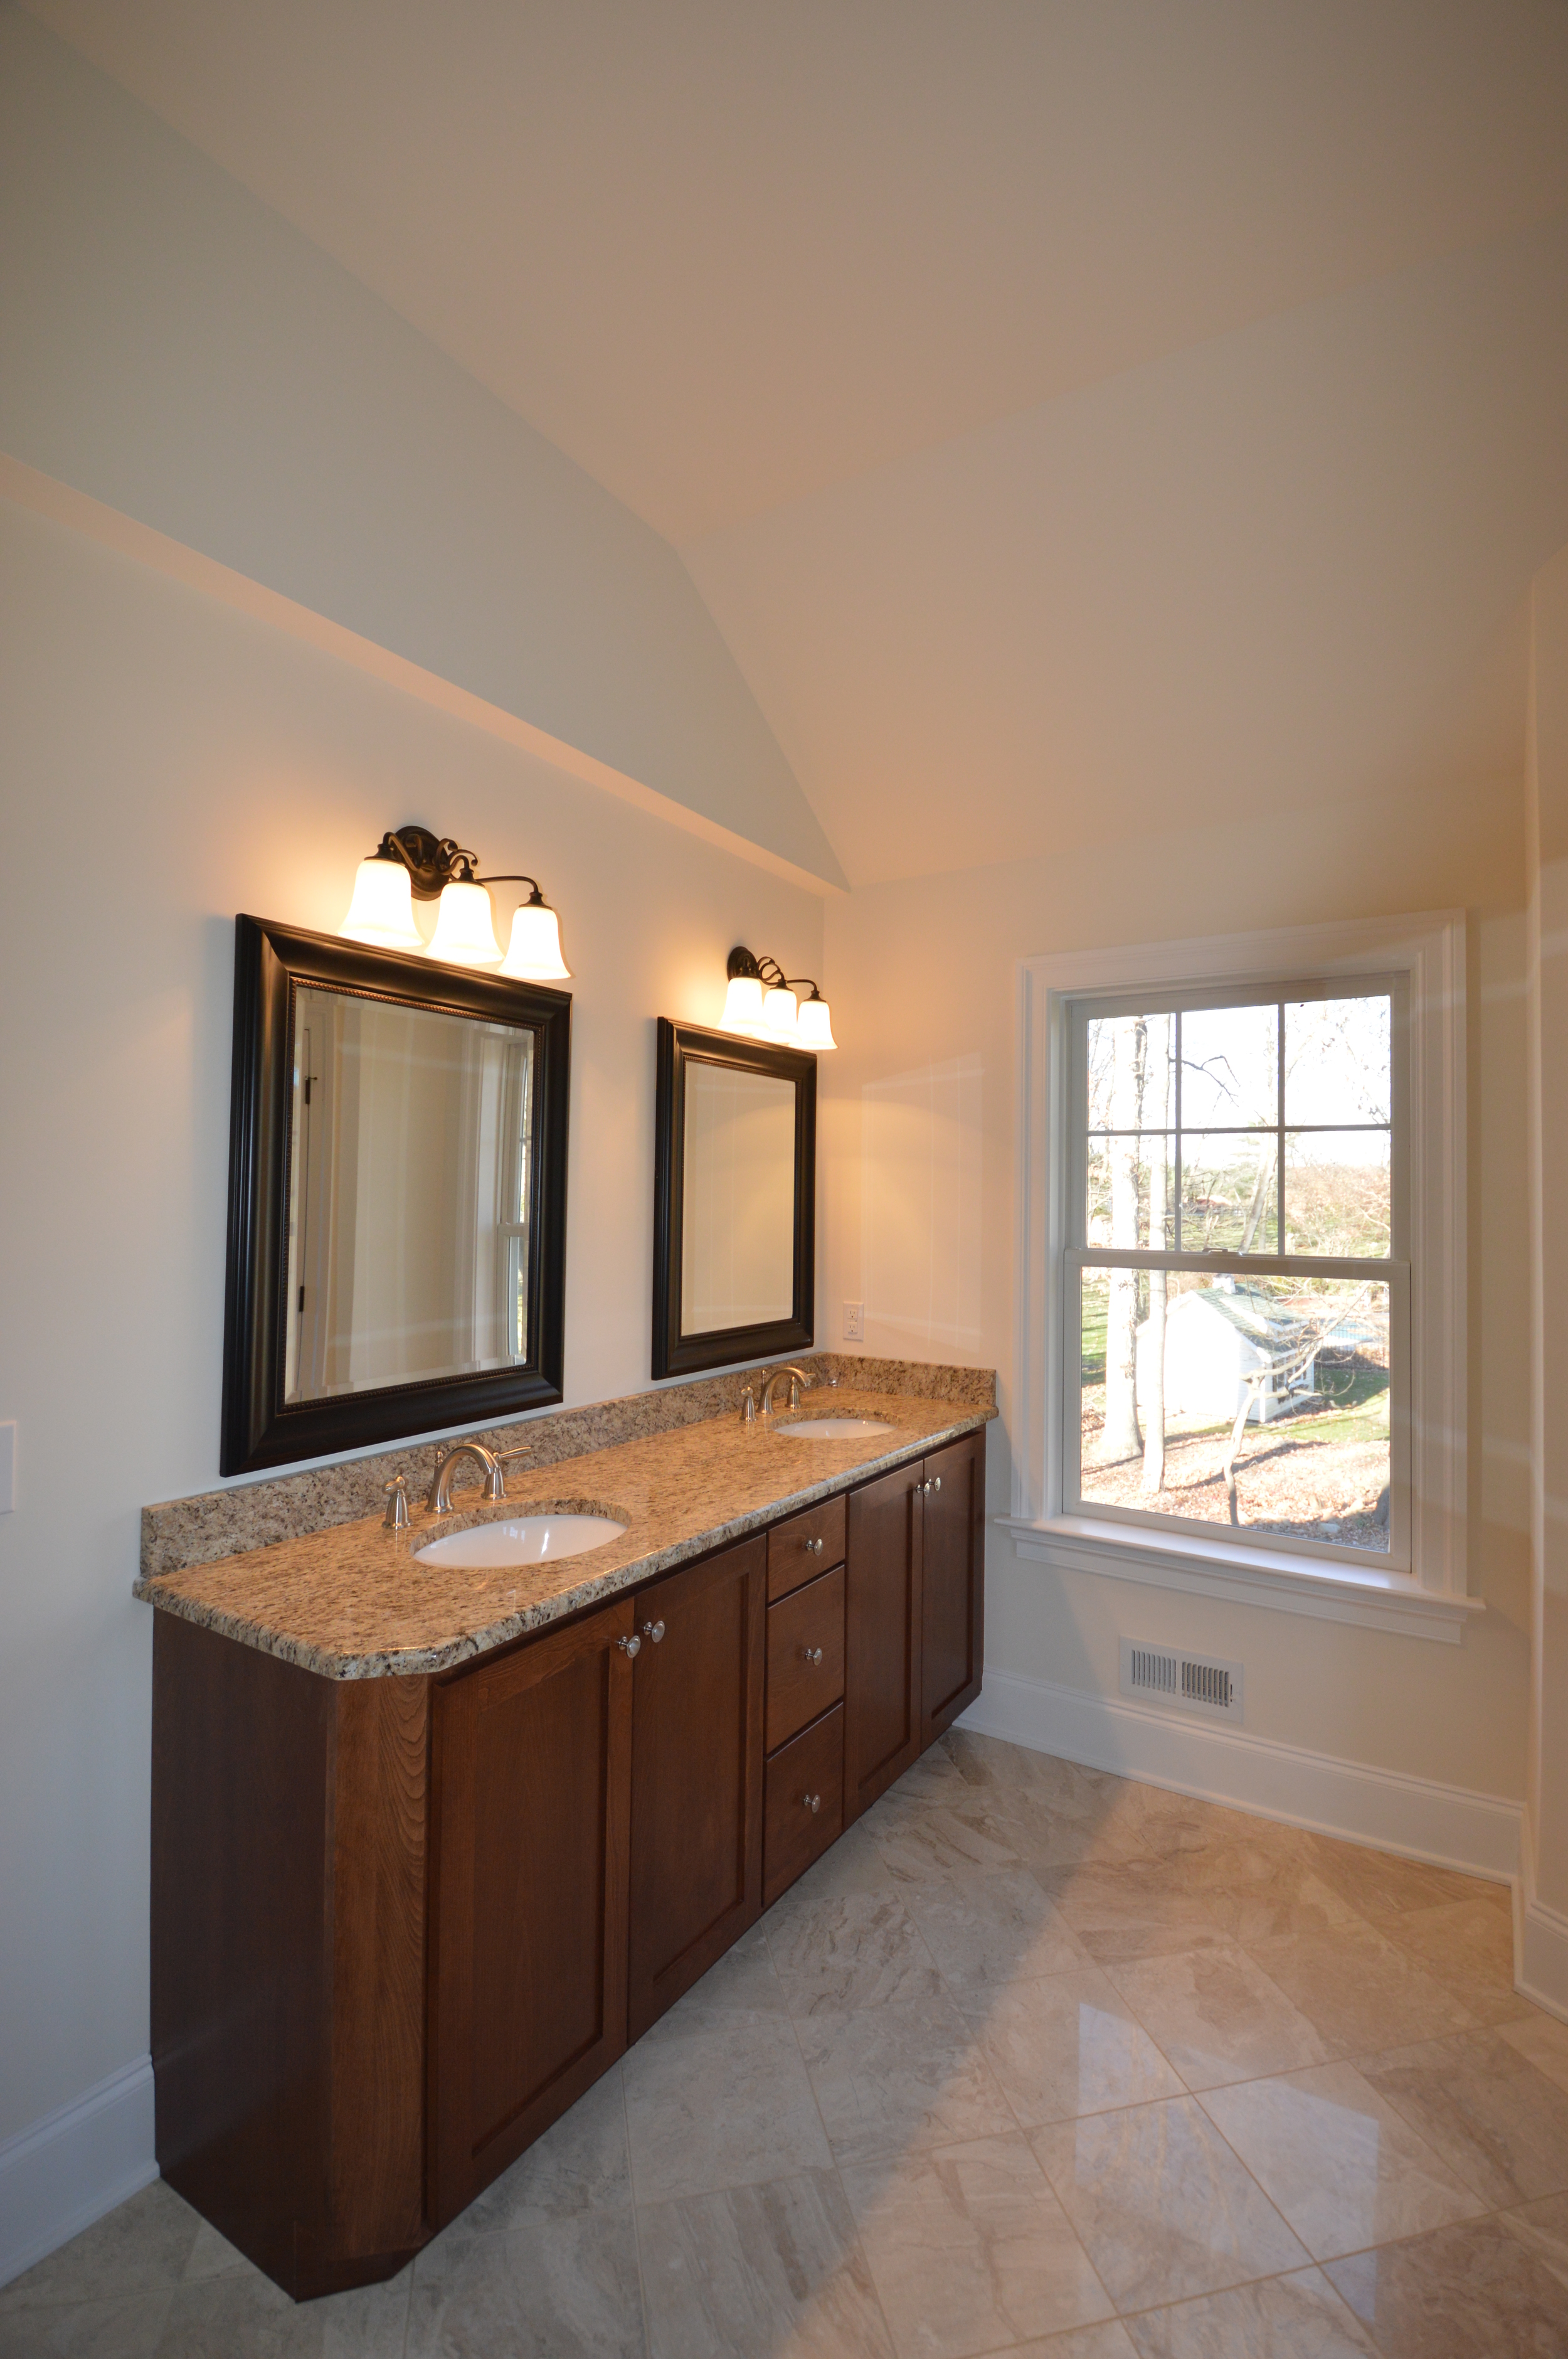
(1257, 1396)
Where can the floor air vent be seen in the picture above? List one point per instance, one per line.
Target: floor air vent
(1190, 1682)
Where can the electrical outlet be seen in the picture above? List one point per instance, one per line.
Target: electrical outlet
(854, 1322)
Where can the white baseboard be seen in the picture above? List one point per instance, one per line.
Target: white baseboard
(73, 2165)
(1541, 1940)
(1447, 1825)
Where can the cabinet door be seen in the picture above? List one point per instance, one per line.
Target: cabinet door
(696, 1773)
(531, 1758)
(881, 1666)
(953, 1588)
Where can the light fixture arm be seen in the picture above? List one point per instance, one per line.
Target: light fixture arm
(433, 862)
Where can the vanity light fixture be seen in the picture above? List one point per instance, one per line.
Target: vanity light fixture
(411, 865)
(761, 1003)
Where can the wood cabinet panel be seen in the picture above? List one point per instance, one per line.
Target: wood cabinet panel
(805, 1656)
(532, 1762)
(953, 1587)
(805, 1802)
(881, 1666)
(803, 1546)
(696, 1761)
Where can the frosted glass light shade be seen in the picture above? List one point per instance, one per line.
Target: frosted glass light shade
(533, 952)
(742, 1005)
(382, 909)
(779, 1014)
(465, 929)
(812, 1027)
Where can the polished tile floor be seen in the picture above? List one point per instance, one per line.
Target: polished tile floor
(1036, 2061)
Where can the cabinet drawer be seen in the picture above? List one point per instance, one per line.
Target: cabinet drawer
(808, 1623)
(811, 1770)
(806, 1546)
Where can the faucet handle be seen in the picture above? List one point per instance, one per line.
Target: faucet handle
(397, 1516)
(749, 1407)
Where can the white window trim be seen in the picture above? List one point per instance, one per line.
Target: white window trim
(1430, 1602)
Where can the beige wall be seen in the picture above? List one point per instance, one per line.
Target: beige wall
(1547, 863)
(168, 762)
(924, 980)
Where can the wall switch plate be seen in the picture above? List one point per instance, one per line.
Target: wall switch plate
(854, 1322)
(8, 1465)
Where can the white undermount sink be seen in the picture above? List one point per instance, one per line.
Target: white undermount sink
(520, 1539)
(834, 1428)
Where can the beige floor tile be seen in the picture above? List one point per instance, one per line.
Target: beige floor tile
(145, 2242)
(1108, 2340)
(986, 1933)
(898, 2078)
(852, 1864)
(970, 2251)
(1543, 2040)
(744, 1981)
(1056, 1815)
(857, 1951)
(1543, 2227)
(243, 2315)
(1261, 1883)
(563, 2288)
(126, 2326)
(1165, 2208)
(1468, 1947)
(758, 2271)
(1182, 1824)
(1337, 2161)
(934, 1777)
(1066, 2046)
(723, 2106)
(1470, 2292)
(1298, 2317)
(1360, 1991)
(580, 2163)
(1375, 1881)
(1132, 1908)
(1496, 2120)
(1216, 2015)
(923, 1842)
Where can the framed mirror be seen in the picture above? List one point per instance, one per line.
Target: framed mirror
(734, 1200)
(397, 1174)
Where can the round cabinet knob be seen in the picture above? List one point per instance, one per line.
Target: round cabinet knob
(813, 1802)
(812, 1548)
(653, 1630)
(633, 1646)
(812, 1653)
(937, 1486)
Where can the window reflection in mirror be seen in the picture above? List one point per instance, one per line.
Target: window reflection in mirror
(738, 1218)
(410, 1174)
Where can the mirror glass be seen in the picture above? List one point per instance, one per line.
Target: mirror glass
(738, 1215)
(411, 1169)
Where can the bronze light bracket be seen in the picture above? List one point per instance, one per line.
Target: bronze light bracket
(766, 971)
(434, 862)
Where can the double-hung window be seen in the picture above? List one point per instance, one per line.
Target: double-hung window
(1241, 1268)
(1237, 1275)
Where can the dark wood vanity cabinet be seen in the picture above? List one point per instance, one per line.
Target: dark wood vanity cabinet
(531, 1761)
(401, 1924)
(697, 1773)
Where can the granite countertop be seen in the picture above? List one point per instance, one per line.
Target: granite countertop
(351, 1603)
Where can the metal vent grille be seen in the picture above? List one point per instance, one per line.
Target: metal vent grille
(1190, 1682)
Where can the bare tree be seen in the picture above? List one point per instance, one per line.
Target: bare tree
(1122, 1438)
(1157, 1115)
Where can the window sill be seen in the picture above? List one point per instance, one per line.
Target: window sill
(1254, 1576)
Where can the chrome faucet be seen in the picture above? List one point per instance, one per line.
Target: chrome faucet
(440, 1501)
(796, 1378)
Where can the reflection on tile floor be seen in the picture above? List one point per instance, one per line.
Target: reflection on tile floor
(1038, 2061)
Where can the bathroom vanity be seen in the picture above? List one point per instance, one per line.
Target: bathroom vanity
(430, 1846)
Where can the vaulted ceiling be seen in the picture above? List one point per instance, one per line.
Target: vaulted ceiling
(1072, 410)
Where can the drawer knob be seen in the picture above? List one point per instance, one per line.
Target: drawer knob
(633, 1646)
(936, 1484)
(812, 1548)
(813, 1802)
(812, 1653)
(653, 1630)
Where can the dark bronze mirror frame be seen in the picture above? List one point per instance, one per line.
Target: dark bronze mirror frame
(259, 1428)
(675, 1355)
